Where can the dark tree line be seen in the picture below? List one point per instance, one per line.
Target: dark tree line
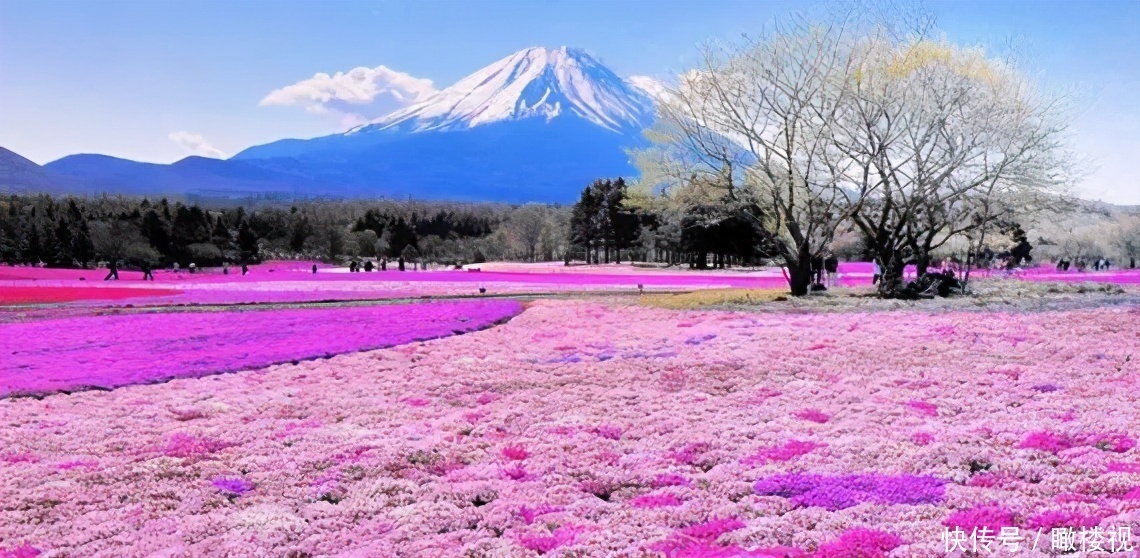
(79, 231)
(601, 225)
(716, 233)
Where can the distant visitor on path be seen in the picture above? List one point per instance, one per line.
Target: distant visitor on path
(831, 265)
(244, 269)
(878, 274)
(193, 266)
(146, 271)
(817, 269)
(176, 267)
(314, 268)
(384, 264)
(226, 268)
(401, 261)
(113, 271)
(367, 266)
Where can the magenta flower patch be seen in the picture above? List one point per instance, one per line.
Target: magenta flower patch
(515, 452)
(789, 450)
(670, 479)
(114, 351)
(529, 514)
(923, 408)
(185, 445)
(24, 551)
(814, 415)
(840, 492)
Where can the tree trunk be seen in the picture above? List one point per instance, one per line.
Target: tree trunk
(922, 264)
(799, 275)
(891, 280)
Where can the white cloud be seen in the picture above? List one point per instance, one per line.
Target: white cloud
(355, 96)
(195, 144)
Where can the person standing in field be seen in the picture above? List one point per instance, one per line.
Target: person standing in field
(878, 273)
(367, 266)
(225, 268)
(113, 271)
(831, 265)
(384, 264)
(314, 269)
(146, 271)
(401, 262)
(817, 269)
(244, 269)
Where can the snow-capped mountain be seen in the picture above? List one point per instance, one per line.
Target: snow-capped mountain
(536, 82)
(538, 125)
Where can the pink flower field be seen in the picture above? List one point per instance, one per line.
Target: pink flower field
(582, 427)
(283, 282)
(43, 356)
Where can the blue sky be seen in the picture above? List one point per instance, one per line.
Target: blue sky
(155, 81)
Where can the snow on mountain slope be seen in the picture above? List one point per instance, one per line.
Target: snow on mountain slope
(532, 83)
(650, 86)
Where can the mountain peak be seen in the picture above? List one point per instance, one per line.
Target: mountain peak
(536, 82)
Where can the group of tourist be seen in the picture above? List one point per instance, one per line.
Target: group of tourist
(148, 271)
(820, 265)
(355, 266)
(1100, 264)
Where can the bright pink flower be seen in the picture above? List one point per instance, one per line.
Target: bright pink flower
(609, 432)
(923, 408)
(1123, 467)
(542, 544)
(814, 415)
(24, 551)
(670, 479)
(790, 449)
(529, 514)
(1046, 441)
(184, 445)
(516, 472)
(515, 452)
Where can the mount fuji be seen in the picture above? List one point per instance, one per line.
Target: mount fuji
(538, 125)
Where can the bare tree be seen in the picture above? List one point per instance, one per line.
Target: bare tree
(525, 227)
(752, 121)
(938, 141)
